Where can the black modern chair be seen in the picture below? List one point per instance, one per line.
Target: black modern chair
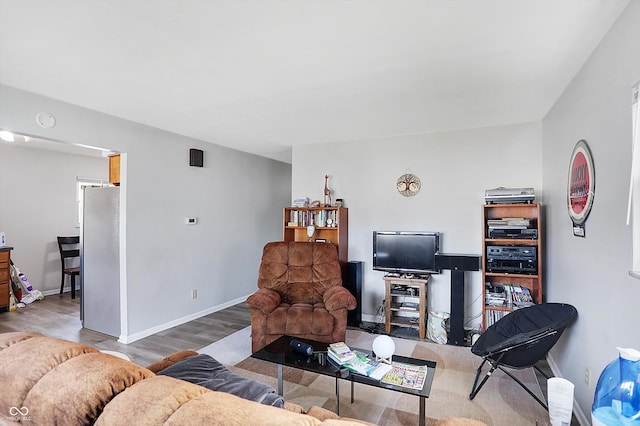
(521, 339)
(69, 250)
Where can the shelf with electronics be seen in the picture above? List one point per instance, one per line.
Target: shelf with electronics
(512, 252)
(406, 302)
(330, 225)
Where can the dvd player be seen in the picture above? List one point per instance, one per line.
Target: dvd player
(512, 252)
(512, 259)
(529, 267)
(509, 195)
(528, 234)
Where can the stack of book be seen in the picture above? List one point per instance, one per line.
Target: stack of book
(300, 202)
(356, 362)
(520, 296)
(495, 295)
(493, 316)
(509, 295)
(340, 352)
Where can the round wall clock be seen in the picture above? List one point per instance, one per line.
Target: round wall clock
(408, 185)
(581, 183)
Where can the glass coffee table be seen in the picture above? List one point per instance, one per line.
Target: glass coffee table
(280, 353)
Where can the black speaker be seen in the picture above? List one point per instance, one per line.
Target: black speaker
(196, 157)
(458, 262)
(302, 347)
(352, 281)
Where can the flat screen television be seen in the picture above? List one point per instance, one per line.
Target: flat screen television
(405, 252)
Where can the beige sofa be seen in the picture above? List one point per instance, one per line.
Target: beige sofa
(46, 381)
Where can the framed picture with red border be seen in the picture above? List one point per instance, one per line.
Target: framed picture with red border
(580, 186)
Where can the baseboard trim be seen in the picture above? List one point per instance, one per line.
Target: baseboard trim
(371, 318)
(577, 411)
(130, 338)
(54, 291)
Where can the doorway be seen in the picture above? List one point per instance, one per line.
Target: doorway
(43, 179)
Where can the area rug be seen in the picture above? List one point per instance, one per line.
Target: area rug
(500, 402)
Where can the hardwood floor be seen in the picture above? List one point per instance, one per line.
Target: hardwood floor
(59, 316)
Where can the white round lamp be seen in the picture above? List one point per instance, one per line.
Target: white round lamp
(384, 347)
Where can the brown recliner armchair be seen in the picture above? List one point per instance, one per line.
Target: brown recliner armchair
(300, 294)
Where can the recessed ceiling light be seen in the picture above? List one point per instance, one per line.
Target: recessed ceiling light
(7, 136)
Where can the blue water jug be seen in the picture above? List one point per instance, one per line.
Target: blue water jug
(617, 396)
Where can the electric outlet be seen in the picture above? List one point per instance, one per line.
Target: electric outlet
(194, 294)
(587, 376)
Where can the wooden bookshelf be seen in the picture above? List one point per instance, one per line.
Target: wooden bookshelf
(331, 226)
(531, 279)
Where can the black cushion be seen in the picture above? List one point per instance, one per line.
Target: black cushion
(205, 371)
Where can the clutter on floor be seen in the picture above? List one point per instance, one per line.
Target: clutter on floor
(22, 292)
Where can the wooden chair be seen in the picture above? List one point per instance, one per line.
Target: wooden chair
(68, 247)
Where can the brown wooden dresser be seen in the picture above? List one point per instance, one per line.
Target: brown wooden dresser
(5, 277)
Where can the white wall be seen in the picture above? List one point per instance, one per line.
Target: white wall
(237, 198)
(455, 168)
(38, 203)
(592, 273)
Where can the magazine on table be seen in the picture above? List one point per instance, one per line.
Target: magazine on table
(406, 375)
(361, 364)
(356, 361)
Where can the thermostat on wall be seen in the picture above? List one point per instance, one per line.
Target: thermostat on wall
(191, 220)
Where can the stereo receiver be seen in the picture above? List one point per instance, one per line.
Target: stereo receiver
(512, 259)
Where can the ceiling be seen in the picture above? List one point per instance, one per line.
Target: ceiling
(263, 76)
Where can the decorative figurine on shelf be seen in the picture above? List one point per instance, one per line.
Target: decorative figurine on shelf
(311, 229)
(327, 192)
